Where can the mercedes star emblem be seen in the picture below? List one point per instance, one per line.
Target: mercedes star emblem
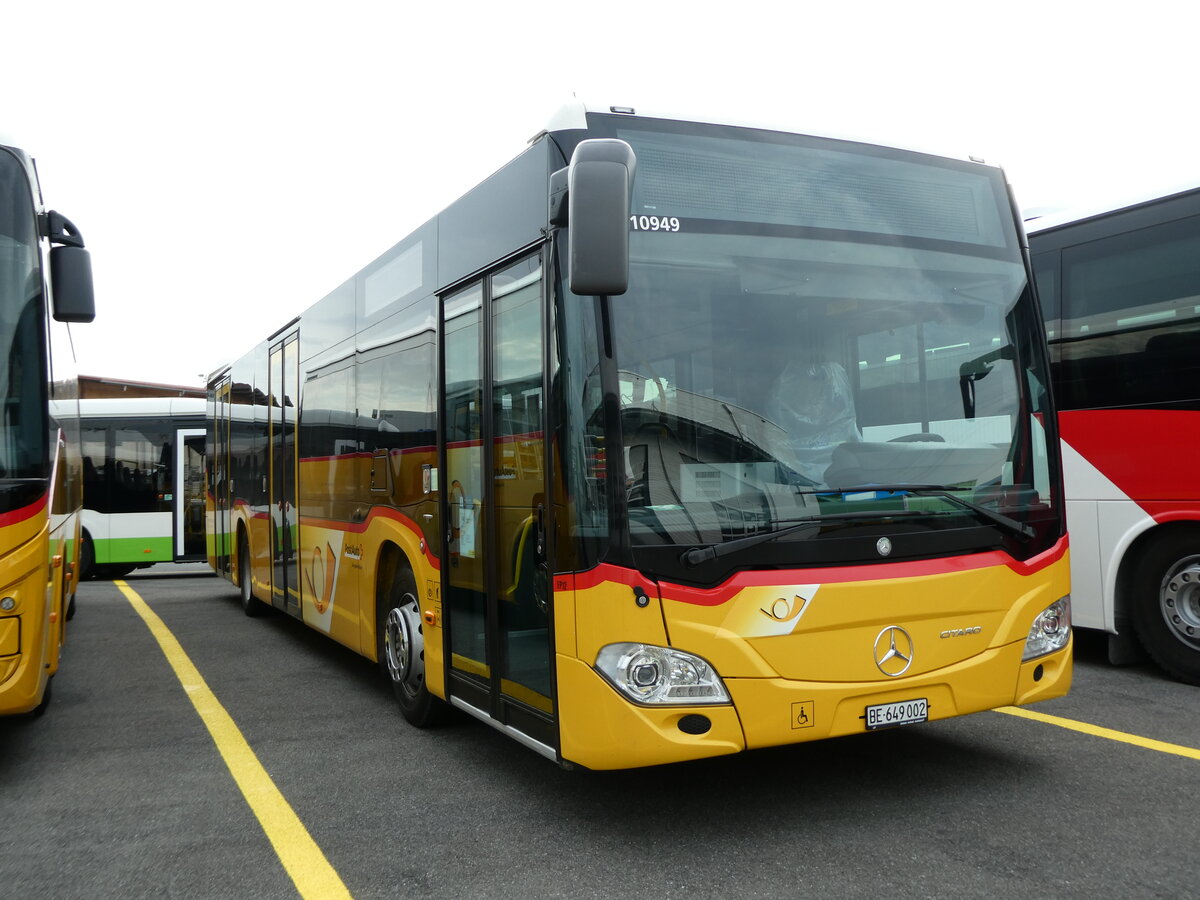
(893, 651)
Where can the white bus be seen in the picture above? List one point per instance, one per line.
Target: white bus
(143, 483)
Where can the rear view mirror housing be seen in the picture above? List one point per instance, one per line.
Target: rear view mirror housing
(599, 188)
(70, 272)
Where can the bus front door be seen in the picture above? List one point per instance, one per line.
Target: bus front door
(285, 535)
(492, 437)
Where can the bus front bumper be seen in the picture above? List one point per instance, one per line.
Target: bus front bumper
(27, 660)
(601, 730)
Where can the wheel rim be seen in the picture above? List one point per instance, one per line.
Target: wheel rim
(1179, 600)
(404, 645)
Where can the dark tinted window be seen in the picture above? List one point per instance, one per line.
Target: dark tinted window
(1130, 327)
(128, 468)
(1045, 273)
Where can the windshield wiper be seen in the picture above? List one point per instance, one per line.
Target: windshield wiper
(941, 490)
(698, 555)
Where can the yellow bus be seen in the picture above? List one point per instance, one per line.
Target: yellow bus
(40, 472)
(670, 439)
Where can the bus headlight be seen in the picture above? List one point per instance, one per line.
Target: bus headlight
(1051, 630)
(660, 675)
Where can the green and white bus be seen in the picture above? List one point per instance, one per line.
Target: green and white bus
(143, 466)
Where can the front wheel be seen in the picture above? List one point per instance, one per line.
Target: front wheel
(1166, 609)
(401, 645)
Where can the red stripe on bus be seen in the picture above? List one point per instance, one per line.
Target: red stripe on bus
(739, 581)
(378, 512)
(1163, 511)
(337, 456)
(498, 440)
(366, 454)
(24, 513)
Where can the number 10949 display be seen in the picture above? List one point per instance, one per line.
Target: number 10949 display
(654, 223)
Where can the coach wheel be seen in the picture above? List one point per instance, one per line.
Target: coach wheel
(251, 605)
(1167, 611)
(402, 652)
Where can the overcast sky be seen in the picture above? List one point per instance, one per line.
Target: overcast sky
(230, 163)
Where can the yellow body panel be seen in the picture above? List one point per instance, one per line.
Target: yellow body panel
(31, 635)
(10, 636)
(778, 711)
(608, 612)
(344, 525)
(600, 730)
(338, 580)
(798, 657)
(826, 632)
(797, 650)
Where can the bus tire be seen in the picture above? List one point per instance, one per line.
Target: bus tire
(400, 640)
(251, 605)
(1166, 607)
(87, 557)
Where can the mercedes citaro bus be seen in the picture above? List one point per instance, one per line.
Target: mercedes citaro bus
(670, 439)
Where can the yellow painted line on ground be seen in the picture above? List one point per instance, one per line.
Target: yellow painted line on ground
(1097, 731)
(310, 871)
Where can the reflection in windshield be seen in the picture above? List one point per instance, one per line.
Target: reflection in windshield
(752, 386)
(728, 394)
(22, 438)
(826, 322)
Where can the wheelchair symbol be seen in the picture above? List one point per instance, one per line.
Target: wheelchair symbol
(803, 714)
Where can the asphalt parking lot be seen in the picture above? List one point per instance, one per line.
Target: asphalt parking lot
(122, 790)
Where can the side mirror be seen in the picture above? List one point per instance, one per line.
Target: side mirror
(70, 272)
(599, 186)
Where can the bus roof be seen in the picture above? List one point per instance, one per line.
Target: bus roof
(138, 407)
(1059, 218)
(571, 115)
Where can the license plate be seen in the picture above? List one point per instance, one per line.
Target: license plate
(905, 712)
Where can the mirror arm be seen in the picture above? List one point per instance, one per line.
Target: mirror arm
(62, 230)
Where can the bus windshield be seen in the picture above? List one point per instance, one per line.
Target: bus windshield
(822, 331)
(22, 425)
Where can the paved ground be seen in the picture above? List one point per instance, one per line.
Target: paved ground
(120, 790)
